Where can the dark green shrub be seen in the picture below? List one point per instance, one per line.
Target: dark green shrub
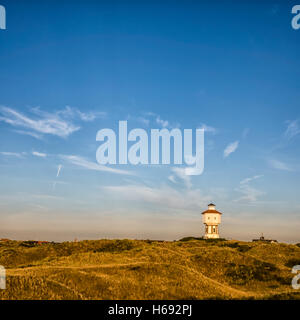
(292, 262)
(29, 244)
(190, 239)
(236, 245)
(260, 271)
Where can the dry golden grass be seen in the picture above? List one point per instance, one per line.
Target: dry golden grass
(133, 269)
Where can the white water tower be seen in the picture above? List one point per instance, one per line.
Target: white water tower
(211, 219)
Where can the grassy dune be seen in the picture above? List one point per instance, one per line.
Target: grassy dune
(125, 269)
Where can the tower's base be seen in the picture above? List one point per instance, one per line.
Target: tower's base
(211, 236)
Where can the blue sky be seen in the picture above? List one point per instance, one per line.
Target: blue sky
(71, 68)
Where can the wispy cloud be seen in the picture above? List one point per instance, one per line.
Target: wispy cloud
(12, 154)
(39, 207)
(231, 148)
(161, 122)
(162, 197)
(45, 197)
(39, 154)
(276, 164)
(181, 174)
(82, 162)
(72, 112)
(29, 133)
(172, 178)
(250, 194)
(247, 180)
(46, 123)
(208, 129)
(142, 120)
(292, 130)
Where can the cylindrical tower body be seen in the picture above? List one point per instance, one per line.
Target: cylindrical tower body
(211, 219)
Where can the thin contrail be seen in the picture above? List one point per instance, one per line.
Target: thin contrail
(58, 170)
(57, 175)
